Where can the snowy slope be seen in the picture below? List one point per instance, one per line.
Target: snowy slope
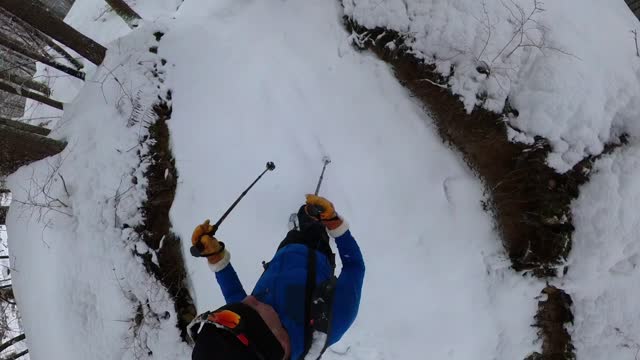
(82, 292)
(253, 82)
(604, 266)
(256, 81)
(574, 81)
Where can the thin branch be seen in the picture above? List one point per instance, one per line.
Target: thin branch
(434, 83)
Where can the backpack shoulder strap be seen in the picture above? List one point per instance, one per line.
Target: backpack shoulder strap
(308, 297)
(318, 311)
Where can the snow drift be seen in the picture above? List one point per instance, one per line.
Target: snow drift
(569, 68)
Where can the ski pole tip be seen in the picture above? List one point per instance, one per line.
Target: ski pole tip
(271, 166)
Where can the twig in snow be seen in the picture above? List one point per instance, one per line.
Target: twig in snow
(41, 196)
(629, 342)
(489, 26)
(434, 83)
(635, 38)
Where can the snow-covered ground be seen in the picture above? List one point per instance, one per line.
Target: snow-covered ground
(82, 292)
(255, 81)
(278, 81)
(570, 69)
(604, 265)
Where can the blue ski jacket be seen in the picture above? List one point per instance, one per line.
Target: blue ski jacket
(283, 286)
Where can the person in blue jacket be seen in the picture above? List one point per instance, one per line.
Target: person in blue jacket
(280, 320)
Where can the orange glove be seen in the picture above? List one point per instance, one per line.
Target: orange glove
(323, 210)
(202, 235)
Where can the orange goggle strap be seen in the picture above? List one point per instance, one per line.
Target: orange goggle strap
(225, 320)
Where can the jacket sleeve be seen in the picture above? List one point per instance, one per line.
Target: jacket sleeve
(230, 285)
(346, 299)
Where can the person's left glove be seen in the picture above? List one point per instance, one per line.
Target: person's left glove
(202, 238)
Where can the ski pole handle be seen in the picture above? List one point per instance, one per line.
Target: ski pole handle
(315, 211)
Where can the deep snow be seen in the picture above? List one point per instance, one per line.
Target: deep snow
(82, 292)
(604, 270)
(279, 81)
(574, 81)
(437, 276)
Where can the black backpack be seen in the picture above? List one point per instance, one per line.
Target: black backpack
(318, 311)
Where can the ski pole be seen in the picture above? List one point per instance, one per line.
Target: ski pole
(197, 249)
(326, 160)
(316, 210)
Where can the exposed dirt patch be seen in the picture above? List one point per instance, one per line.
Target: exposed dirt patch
(156, 231)
(530, 201)
(553, 313)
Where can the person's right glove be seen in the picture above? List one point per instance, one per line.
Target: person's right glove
(323, 210)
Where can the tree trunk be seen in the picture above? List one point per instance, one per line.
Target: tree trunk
(3, 218)
(125, 12)
(60, 8)
(22, 50)
(25, 82)
(16, 90)
(57, 48)
(36, 15)
(18, 148)
(12, 341)
(6, 294)
(16, 356)
(46, 39)
(24, 127)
